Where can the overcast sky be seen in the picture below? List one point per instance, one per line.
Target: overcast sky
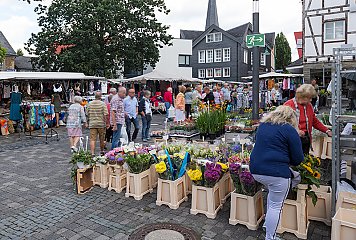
(18, 21)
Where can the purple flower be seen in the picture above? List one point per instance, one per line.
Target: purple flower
(211, 176)
(246, 178)
(234, 168)
(236, 148)
(120, 159)
(213, 167)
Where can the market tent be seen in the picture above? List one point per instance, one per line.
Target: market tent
(46, 76)
(153, 76)
(276, 75)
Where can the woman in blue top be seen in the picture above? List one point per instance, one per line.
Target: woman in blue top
(277, 147)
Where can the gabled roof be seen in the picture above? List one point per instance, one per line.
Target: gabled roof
(23, 63)
(296, 63)
(211, 28)
(190, 34)
(241, 30)
(4, 43)
(270, 39)
(212, 14)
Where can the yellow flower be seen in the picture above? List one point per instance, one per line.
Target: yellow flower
(317, 175)
(223, 166)
(309, 164)
(161, 167)
(162, 157)
(195, 175)
(318, 160)
(308, 168)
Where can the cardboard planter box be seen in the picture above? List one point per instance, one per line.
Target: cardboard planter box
(84, 180)
(346, 200)
(206, 201)
(225, 187)
(317, 145)
(101, 175)
(118, 180)
(171, 193)
(154, 176)
(344, 225)
(246, 210)
(327, 148)
(294, 216)
(322, 210)
(138, 184)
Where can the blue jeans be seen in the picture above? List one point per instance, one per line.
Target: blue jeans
(116, 137)
(128, 122)
(167, 105)
(146, 124)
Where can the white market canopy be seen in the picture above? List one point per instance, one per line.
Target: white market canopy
(276, 75)
(153, 76)
(46, 76)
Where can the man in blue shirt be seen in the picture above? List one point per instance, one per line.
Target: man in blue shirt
(131, 110)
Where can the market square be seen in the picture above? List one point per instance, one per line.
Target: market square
(120, 120)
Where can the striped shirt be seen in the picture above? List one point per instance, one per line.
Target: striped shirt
(97, 114)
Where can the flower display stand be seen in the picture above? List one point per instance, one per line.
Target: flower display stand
(138, 184)
(84, 180)
(206, 201)
(246, 210)
(344, 225)
(327, 148)
(322, 210)
(154, 176)
(346, 200)
(317, 145)
(171, 193)
(101, 175)
(189, 184)
(294, 216)
(117, 179)
(225, 187)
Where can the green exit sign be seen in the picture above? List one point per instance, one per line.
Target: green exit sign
(255, 40)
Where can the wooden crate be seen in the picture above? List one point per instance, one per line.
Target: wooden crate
(154, 176)
(171, 193)
(225, 187)
(327, 148)
(322, 210)
(346, 200)
(117, 181)
(246, 210)
(138, 184)
(344, 225)
(206, 201)
(101, 175)
(84, 180)
(294, 216)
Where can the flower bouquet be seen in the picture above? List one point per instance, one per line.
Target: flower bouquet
(172, 167)
(243, 180)
(310, 175)
(205, 175)
(138, 163)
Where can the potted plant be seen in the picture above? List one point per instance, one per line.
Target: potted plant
(139, 180)
(81, 171)
(82, 159)
(172, 188)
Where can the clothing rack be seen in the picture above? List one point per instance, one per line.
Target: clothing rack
(50, 134)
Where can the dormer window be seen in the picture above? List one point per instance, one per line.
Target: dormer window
(214, 37)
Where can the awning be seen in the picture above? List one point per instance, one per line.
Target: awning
(46, 76)
(153, 76)
(276, 75)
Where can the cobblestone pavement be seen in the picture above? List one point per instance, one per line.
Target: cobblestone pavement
(37, 201)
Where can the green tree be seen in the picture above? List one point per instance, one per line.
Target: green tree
(96, 37)
(19, 52)
(283, 52)
(2, 54)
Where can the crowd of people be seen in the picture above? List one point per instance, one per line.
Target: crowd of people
(106, 119)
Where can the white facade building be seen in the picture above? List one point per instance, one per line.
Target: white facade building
(175, 59)
(327, 24)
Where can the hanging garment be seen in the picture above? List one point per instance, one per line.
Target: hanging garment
(91, 88)
(29, 89)
(7, 90)
(15, 109)
(104, 87)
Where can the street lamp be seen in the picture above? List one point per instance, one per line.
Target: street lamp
(256, 63)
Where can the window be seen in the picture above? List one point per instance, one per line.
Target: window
(209, 73)
(184, 60)
(210, 38)
(245, 56)
(217, 72)
(218, 55)
(335, 30)
(226, 72)
(201, 73)
(201, 56)
(263, 59)
(217, 37)
(214, 37)
(226, 54)
(209, 56)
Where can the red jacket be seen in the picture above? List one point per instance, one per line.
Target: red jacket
(168, 97)
(313, 121)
